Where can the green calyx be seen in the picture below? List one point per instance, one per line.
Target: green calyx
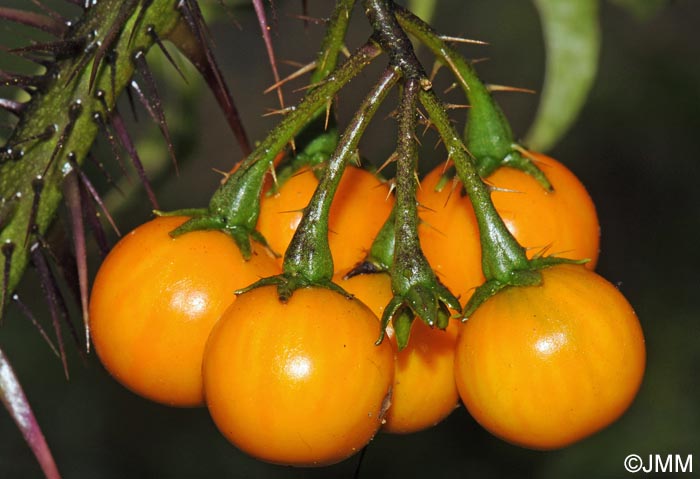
(234, 209)
(381, 253)
(525, 277)
(504, 261)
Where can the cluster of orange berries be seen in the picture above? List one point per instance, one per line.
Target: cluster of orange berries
(302, 382)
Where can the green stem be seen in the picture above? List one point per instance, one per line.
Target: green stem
(488, 135)
(394, 41)
(50, 110)
(309, 255)
(312, 147)
(334, 40)
(501, 253)
(410, 265)
(236, 204)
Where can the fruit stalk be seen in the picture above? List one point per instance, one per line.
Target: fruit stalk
(308, 255)
(488, 135)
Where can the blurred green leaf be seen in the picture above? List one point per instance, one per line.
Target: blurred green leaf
(572, 41)
(424, 9)
(642, 9)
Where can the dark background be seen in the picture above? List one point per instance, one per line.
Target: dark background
(635, 146)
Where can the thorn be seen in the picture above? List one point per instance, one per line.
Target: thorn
(74, 112)
(309, 67)
(48, 132)
(84, 60)
(93, 219)
(34, 20)
(283, 111)
(59, 48)
(104, 128)
(392, 158)
(132, 104)
(307, 19)
(153, 103)
(66, 267)
(200, 54)
(128, 145)
(125, 11)
(450, 88)
(497, 189)
(310, 86)
(154, 36)
(446, 165)
(291, 63)
(456, 184)
(392, 187)
(262, 21)
(30, 316)
(48, 285)
(415, 138)
(328, 114)
(446, 38)
(273, 173)
(37, 187)
(71, 192)
(436, 68)
(494, 88)
(20, 81)
(455, 106)
(87, 184)
(456, 73)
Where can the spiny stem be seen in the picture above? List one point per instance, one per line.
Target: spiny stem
(309, 253)
(501, 252)
(334, 40)
(321, 128)
(409, 261)
(394, 41)
(225, 202)
(488, 133)
(48, 107)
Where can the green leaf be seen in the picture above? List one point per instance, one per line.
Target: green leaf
(572, 40)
